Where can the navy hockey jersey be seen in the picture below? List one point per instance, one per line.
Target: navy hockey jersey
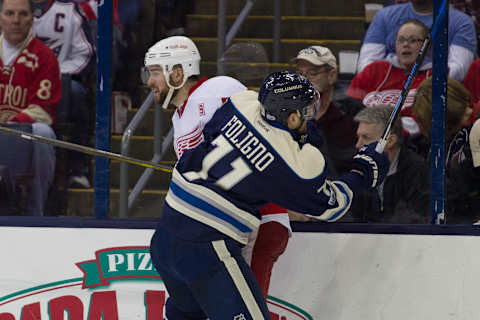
(245, 162)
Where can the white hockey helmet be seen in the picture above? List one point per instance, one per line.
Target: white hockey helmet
(172, 51)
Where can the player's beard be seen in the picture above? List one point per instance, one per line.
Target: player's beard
(159, 97)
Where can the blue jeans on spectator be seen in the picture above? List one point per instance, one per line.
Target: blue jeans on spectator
(43, 165)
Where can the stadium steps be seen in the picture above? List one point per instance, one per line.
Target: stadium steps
(337, 8)
(289, 47)
(338, 25)
(291, 27)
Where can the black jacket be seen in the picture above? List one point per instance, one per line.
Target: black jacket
(405, 195)
(462, 182)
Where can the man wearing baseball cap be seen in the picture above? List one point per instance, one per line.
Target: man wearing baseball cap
(319, 65)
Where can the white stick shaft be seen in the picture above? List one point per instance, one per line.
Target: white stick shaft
(380, 145)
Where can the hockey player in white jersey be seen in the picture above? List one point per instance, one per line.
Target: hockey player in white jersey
(250, 156)
(173, 66)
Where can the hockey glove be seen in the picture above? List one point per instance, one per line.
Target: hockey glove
(372, 165)
(474, 138)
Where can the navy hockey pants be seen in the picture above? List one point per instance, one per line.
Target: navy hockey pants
(205, 278)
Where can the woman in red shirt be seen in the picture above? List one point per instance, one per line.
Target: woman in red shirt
(381, 82)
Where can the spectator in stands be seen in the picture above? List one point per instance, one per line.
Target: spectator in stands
(31, 89)
(472, 83)
(471, 8)
(381, 82)
(462, 168)
(319, 65)
(380, 39)
(403, 197)
(63, 27)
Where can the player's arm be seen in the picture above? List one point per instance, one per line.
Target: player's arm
(369, 168)
(303, 186)
(43, 94)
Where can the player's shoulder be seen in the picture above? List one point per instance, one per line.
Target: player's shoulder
(215, 91)
(307, 162)
(225, 80)
(246, 102)
(223, 86)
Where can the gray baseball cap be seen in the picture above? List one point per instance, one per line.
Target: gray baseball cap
(318, 56)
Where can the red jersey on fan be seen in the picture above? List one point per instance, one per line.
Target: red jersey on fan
(381, 82)
(30, 87)
(472, 81)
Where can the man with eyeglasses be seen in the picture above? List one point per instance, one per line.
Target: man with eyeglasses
(380, 39)
(319, 65)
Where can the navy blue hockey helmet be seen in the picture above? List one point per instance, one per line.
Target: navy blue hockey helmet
(285, 92)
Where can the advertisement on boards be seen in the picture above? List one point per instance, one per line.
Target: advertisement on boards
(93, 274)
(89, 274)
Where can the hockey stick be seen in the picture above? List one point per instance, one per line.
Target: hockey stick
(84, 149)
(413, 73)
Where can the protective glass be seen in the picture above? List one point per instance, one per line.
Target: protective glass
(308, 112)
(144, 75)
(316, 102)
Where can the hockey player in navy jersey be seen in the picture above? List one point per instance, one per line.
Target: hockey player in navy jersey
(173, 69)
(250, 155)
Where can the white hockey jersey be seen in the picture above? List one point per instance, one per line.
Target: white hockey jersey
(203, 100)
(63, 27)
